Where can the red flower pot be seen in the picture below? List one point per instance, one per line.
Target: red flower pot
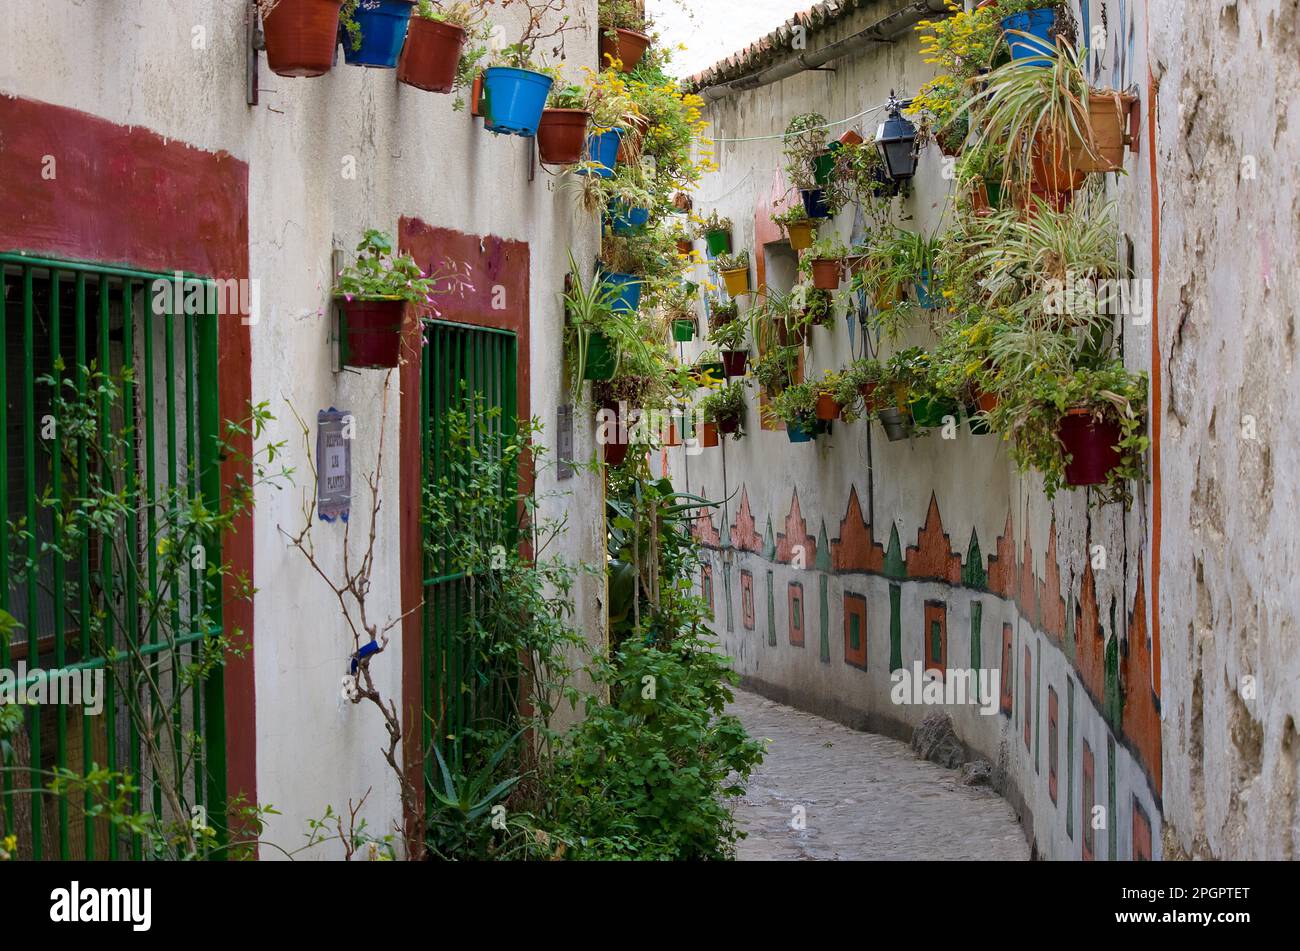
(729, 425)
(561, 136)
(372, 331)
(709, 435)
(627, 46)
(301, 36)
(826, 273)
(1091, 444)
(827, 408)
(733, 362)
(615, 453)
(431, 55)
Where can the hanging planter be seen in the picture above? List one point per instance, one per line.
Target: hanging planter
(814, 203)
(801, 430)
(683, 330)
(707, 374)
(896, 421)
(431, 55)
(685, 246)
(561, 135)
(626, 46)
(302, 36)
(801, 235)
(1054, 171)
(709, 436)
(733, 362)
(370, 331)
(625, 220)
(601, 359)
(736, 280)
(826, 273)
(602, 153)
(868, 391)
(1092, 445)
(627, 290)
(1037, 46)
(924, 294)
(513, 100)
(1108, 113)
(374, 32)
(929, 412)
(823, 166)
(718, 242)
(827, 408)
(729, 425)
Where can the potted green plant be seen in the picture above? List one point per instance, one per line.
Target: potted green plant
(562, 132)
(599, 335)
(796, 406)
(828, 405)
(722, 311)
(515, 84)
(804, 143)
(372, 295)
(716, 232)
(824, 263)
(854, 388)
(1087, 428)
(798, 227)
(776, 368)
(708, 370)
(735, 272)
(624, 33)
(435, 43)
(904, 372)
(861, 178)
(725, 408)
(729, 338)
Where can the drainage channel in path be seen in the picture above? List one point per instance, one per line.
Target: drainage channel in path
(827, 792)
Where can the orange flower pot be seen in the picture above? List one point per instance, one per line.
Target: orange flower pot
(827, 408)
(1108, 116)
(826, 273)
(626, 46)
(709, 435)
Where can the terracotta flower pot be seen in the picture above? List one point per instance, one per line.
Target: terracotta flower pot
(685, 246)
(431, 55)
(301, 36)
(733, 362)
(372, 331)
(627, 46)
(827, 408)
(868, 391)
(850, 138)
(561, 136)
(1108, 115)
(1091, 444)
(826, 273)
(709, 435)
(1054, 171)
(801, 235)
(737, 281)
(476, 96)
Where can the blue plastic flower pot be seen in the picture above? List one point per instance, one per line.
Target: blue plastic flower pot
(383, 31)
(625, 220)
(802, 431)
(602, 153)
(814, 203)
(924, 296)
(627, 288)
(513, 100)
(1038, 47)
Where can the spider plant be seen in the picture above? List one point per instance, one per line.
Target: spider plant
(1027, 107)
(589, 307)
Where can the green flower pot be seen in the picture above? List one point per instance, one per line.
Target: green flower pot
(683, 331)
(600, 359)
(823, 166)
(719, 242)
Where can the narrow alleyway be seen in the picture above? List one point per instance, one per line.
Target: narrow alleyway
(863, 797)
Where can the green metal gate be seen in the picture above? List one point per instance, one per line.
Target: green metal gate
(463, 367)
(105, 598)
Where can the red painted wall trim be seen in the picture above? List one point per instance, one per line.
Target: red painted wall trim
(125, 195)
(494, 262)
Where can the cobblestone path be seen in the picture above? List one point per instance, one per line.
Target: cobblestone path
(863, 797)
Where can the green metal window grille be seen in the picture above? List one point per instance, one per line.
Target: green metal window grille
(68, 322)
(855, 632)
(462, 367)
(936, 644)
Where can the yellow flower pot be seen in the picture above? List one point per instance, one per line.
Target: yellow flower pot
(737, 281)
(801, 235)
